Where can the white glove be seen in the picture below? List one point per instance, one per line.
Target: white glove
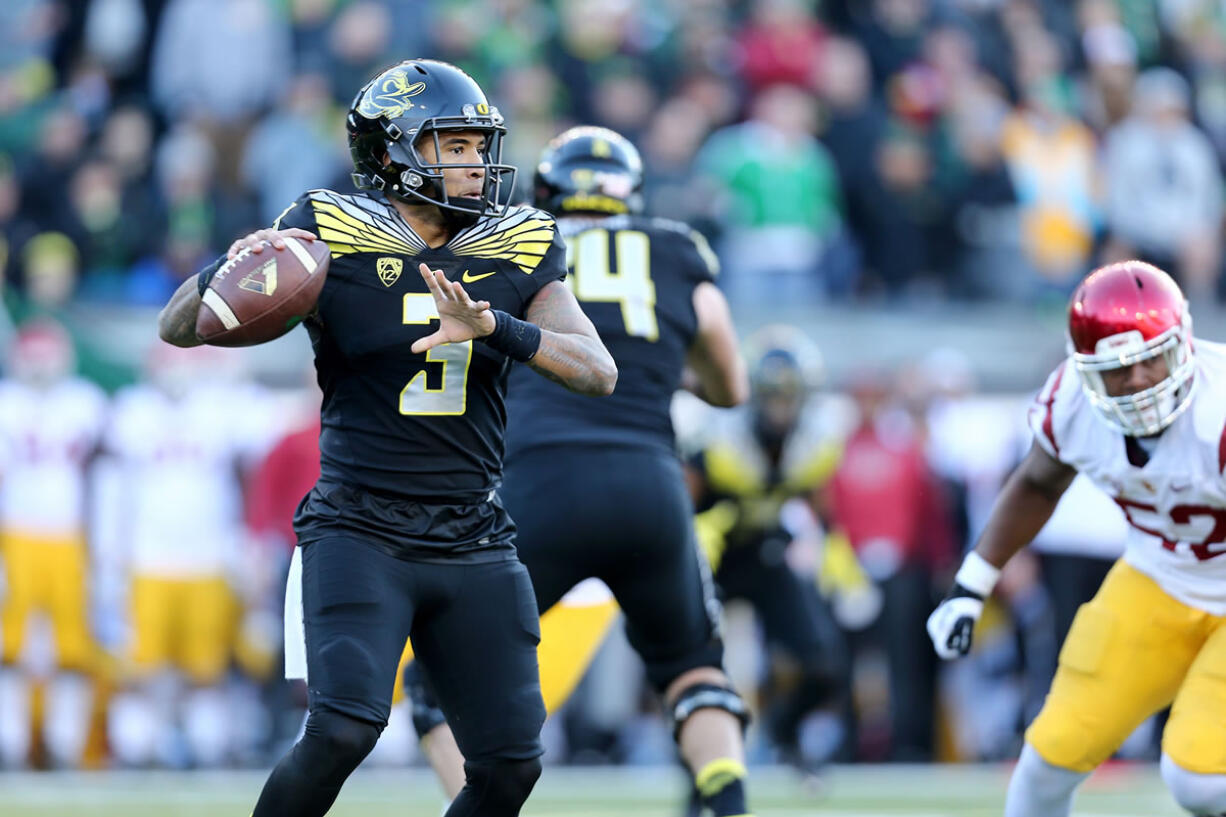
(952, 625)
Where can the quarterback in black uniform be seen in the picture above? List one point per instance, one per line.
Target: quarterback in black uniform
(405, 535)
(617, 504)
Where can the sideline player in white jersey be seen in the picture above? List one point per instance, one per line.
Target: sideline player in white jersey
(1139, 407)
(177, 446)
(50, 423)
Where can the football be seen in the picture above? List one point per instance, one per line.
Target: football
(256, 297)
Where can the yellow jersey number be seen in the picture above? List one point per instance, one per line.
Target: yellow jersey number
(593, 278)
(448, 363)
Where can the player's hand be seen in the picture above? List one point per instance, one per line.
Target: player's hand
(255, 241)
(460, 317)
(952, 625)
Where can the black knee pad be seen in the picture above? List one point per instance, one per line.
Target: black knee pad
(500, 788)
(335, 744)
(707, 696)
(422, 702)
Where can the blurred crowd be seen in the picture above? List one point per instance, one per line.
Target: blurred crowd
(846, 150)
(884, 150)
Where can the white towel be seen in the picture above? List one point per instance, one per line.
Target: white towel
(295, 630)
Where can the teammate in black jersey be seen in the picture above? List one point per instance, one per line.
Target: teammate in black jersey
(405, 533)
(616, 505)
(758, 483)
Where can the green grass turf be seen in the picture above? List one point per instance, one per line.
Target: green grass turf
(853, 791)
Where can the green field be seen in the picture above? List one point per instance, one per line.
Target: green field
(854, 791)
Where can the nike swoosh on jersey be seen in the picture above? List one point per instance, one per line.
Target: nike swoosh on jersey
(468, 277)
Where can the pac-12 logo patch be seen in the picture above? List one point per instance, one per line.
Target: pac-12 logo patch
(389, 270)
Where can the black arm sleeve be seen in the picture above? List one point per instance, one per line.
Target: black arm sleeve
(205, 275)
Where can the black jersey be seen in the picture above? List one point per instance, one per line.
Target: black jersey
(426, 427)
(634, 277)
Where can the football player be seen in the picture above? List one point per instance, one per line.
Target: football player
(617, 506)
(434, 288)
(50, 424)
(758, 484)
(174, 535)
(1139, 407)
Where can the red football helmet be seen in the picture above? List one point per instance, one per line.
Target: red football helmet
(1122, 314)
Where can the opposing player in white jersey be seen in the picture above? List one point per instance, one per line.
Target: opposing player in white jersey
(177, 445)
(1139, 407)
(50, 422)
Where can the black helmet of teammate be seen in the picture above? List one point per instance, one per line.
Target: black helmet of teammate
(589, 170)
(785, 369)
(417, 100)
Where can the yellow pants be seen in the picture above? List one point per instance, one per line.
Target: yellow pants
(189, 624)
(570, 636)
(1131, 651)
(45, 575)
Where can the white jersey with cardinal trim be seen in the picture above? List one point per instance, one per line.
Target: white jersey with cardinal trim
(1176, 502)
(46, 436)
(179, 465)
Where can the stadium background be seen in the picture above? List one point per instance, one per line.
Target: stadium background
(917, 184)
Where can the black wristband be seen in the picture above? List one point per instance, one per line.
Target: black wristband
(516, 339)
(205, 275)
(959, 591)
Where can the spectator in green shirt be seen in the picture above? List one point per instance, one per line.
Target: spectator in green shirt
(776, 197)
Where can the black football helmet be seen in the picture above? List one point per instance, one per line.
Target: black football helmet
(785, 369)
(414, 100)
(589, 170)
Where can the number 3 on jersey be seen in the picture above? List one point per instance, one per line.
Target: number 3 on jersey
(445, 366)
(631, 286)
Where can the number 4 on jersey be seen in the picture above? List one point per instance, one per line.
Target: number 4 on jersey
(593, 277)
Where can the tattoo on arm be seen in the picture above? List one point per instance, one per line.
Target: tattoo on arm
(571, 352)
(566, 363)
(548, 375)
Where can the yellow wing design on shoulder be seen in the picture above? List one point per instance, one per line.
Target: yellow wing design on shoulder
(729, 471)
(815, 469)
(522, 236)
(353, 224)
